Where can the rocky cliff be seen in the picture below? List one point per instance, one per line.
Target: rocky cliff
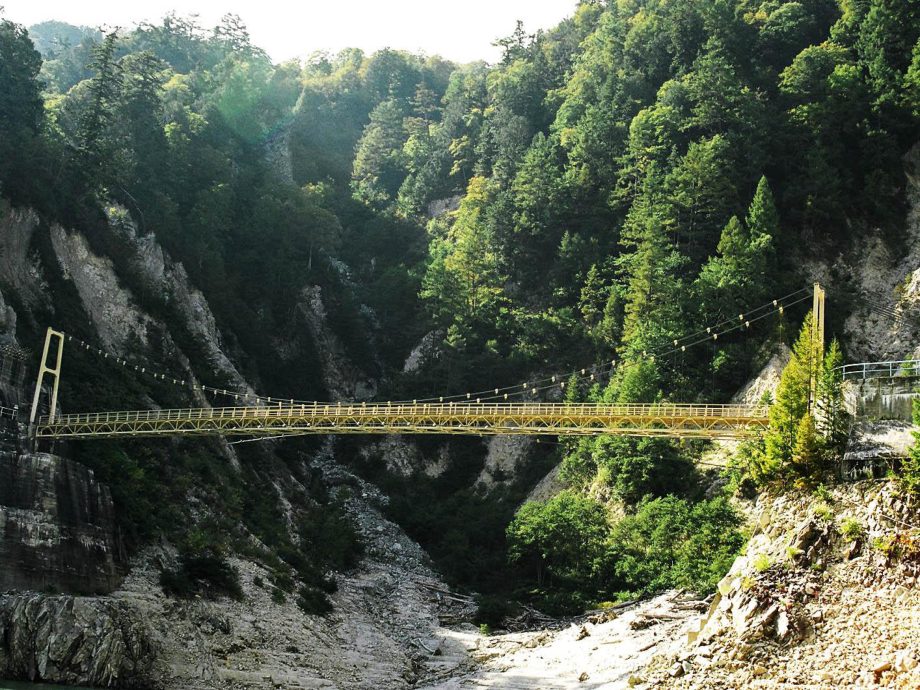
(74, 640)
(58, 533)
(57, 527)
(825, 595)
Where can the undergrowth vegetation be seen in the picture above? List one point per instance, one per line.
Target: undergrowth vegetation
(641, 171)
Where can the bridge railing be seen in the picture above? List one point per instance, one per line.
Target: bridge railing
(434, 410)
(876, 370)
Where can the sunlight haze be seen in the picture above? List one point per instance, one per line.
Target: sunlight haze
(287, 30)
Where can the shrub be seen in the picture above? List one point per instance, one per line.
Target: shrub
(282, 580)
(559, 540)
(822, 493)
(884, 544)
(205, 575)
(762, 562)
(313, 602)
(823, 511)
(493, 610)
(852, 528)
(562, 603)
(670, 542)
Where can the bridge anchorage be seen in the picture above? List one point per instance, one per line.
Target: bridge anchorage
(466, 417)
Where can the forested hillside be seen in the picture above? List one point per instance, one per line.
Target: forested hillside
(643, 170)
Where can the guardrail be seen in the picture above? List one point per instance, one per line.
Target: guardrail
(358, 410)
(473, 418)
(10, 412)
(877, 370)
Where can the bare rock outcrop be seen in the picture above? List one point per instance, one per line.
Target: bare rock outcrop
(57, 527)
(19, 270)
(825, 595)
(343, 378)
(73, 640)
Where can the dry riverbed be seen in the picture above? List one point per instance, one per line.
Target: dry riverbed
(604, 650)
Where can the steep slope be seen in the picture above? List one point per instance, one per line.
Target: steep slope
(825, 596)
(383, 618)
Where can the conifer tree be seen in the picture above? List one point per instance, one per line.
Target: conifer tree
(833, 418)
(792, 400)
(763, 218)
(807, 456)
(93, 146)
(910, 470)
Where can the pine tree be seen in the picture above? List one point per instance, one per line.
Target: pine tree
(593, 296)
(654, 286)
(909, 479)
(763, 218)
(833, 418)
(807, 455)
(93, 146)
(792, 400)
(379, 166)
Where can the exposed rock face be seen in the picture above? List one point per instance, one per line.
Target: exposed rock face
(426, 348)
(505, 454)
(17, 269)
(277, 150)
(7, 318)
(885, 276)
(57, 527)
(111, 307)
(766, 381)
(550, 486)
(79, 641)
(344, 379)
(439, 206)
(402, 457)
(815, 600)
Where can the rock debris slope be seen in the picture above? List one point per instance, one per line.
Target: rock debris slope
(825, 596)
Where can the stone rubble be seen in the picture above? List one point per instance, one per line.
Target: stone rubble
(816, 600)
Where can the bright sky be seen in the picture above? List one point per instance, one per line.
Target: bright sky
(461, 31)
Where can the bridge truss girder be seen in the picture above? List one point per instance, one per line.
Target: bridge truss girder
(675, 421)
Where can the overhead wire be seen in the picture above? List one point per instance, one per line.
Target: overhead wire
(589, 373)
(892, 312)
(535, 386)
(711, 337)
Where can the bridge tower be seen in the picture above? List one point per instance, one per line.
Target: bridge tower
(817, 339)
(54, 371)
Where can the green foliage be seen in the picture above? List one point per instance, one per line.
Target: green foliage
(909, 477)
(313, 602)
(208, 575)
(670, 542)
(613, 197)
(762, 562)
(795, 448)
(492, 611)
(852, 528)
(823, 512)
(560, 540)
(630, 468)
(572, 553)
(833, 418)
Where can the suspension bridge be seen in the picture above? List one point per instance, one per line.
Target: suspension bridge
(488, 413)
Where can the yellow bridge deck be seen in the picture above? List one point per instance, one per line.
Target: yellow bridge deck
(547, 419)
